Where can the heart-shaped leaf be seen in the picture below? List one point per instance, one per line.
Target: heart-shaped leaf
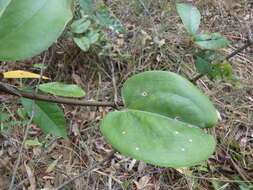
(28, 27)
(61, 89)
(171, 95)
(155, 139)
(190, 16)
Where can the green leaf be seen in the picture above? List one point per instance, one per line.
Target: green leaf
(86, 41)
(33, 143)
(48, 116)
(210, 42)
(80, 26)
(190, 16)
(155, 139)
(3, 5)
(4, 116)
(207, 68)
(61, 89)
(82, 43)
(102, 15)
(30, 27)
(171, 95)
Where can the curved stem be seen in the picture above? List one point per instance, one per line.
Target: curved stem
(248, 44)
(71, 101)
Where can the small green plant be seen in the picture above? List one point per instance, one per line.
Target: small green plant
(208, 61)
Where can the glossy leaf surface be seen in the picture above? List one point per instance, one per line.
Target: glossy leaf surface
(155, 139)
(61, 89)
(171, 95)
(29, 27)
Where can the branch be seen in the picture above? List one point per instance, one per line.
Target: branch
(108, 158)
(16, 92)
(248, 44)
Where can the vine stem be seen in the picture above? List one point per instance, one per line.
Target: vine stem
(108, 158)
(248, 44)
(71, 101)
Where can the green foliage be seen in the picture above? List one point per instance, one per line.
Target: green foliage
(4, 117)
(3, 5)
(210, 42)
(87, 34)
(190, 16)
(29, 27)
(150, 130)
(221, 70)
(48, 116)
(97, 10)
(80, 26)
(191, 20)
(33, 143)
(156, 139)
(171, 95)
(61, 89)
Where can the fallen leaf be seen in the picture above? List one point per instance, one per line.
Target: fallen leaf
(142, 183)
(30, 177)
(22, 74)
(51, 167)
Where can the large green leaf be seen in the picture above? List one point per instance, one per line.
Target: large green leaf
(190, 16)
(155, 139)
(28, 27)
(61, 89)
(171, 95)
(3, 5)
(48, 116)
(210, 42)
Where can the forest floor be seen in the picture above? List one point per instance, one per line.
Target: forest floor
(155, 40)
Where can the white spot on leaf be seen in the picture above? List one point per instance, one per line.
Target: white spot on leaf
(190, 140)
(137, 148)
(124, 132)
(144, 94)
(177, 132)
(182, 149)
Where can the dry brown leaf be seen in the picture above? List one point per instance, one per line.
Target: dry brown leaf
(31, 177)
(51, 167)
(142, 183)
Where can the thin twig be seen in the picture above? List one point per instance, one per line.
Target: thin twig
(108, 158)
(248, 44)
(16, 92)
(20, 151)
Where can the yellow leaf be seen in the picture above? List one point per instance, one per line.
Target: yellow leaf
(22, 74)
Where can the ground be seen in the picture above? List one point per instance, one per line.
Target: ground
(148, 23)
